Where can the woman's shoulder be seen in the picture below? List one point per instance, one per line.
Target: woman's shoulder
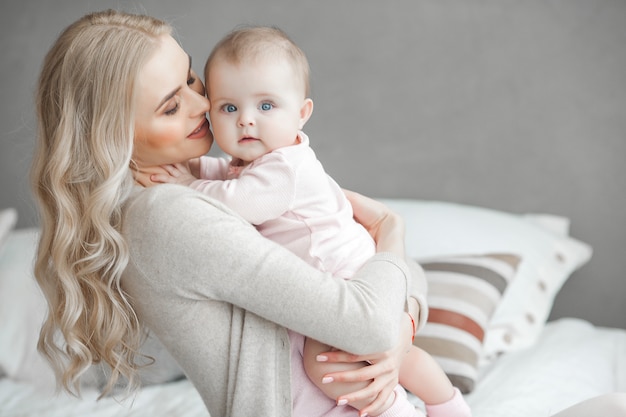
(167, 195)
(166, 203)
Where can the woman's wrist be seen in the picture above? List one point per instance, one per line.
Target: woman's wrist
(413, 312)
(413, 326)
(385, 226)
(390, 236)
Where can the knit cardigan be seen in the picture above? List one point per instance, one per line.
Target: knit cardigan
(220, 297)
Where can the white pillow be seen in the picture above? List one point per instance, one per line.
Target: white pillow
(8, 218)
(22, 311)
(549, 256)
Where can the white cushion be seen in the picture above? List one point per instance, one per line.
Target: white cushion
(549, 256)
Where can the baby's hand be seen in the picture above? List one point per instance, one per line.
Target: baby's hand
(175, 174)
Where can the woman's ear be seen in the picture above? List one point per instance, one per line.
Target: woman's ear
(305, 112)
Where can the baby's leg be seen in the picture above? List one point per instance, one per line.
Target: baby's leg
(422, 375)
(316, 371)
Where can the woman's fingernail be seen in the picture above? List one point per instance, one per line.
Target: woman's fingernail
(327, 379)
(321, 358)
(343, 401)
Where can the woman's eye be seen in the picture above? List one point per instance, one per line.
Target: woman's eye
(229, 108)
(191, 80)
(266, 106)
(172, 110)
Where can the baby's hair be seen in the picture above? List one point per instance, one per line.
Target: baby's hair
(250, 43)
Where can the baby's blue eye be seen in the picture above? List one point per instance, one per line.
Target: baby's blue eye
(229, 108)
(266, 106)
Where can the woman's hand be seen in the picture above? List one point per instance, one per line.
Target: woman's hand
(383, 373)
(385, 226)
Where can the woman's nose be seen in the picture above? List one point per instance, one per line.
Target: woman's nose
(200, 103)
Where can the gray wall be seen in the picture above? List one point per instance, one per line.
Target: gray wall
(517, 105)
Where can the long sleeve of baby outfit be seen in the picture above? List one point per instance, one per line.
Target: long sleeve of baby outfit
(263, 191)
(213, 168)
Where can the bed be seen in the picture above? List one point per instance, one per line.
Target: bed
(499, 270)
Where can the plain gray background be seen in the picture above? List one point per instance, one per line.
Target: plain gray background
(518, 105)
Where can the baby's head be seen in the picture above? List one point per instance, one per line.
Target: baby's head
(254, 45)
(257, 80)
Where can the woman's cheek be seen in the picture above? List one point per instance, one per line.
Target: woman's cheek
(165, 136)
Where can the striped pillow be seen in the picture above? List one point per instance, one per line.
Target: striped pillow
(463, 293)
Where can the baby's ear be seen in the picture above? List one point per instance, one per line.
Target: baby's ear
(305, 111)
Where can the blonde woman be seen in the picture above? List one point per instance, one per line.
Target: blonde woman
(117, 98)
(116, 91)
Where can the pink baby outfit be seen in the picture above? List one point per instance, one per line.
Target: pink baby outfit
(291, 200)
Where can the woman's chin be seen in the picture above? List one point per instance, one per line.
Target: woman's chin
(201, 146)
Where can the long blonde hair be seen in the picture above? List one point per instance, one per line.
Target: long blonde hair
(81, 178)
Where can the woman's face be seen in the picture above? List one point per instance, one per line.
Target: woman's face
(170, 122)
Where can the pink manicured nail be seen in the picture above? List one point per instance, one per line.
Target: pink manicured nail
(321, 358)
(327, 379)
(343, 401)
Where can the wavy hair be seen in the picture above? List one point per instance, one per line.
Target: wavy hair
(80, 177)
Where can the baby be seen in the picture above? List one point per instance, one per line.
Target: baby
(257, 81)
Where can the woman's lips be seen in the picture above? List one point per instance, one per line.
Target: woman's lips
(201, 130)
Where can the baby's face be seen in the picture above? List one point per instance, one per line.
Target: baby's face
(256, 107)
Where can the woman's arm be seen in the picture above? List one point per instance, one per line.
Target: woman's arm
(387, 229)
(385, 226)
(191, 248)
(384, 371)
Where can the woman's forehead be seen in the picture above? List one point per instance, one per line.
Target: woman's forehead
(166, 70)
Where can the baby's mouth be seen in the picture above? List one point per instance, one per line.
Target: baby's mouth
(247, 139)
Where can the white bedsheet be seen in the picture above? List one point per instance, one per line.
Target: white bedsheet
(172, 400)
(572, 361)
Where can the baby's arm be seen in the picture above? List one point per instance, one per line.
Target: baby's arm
(263, 191)
(205, 167)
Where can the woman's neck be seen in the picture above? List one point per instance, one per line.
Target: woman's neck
(142, 174)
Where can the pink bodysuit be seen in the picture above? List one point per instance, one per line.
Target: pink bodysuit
(291, 200)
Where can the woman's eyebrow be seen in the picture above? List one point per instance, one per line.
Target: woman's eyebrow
(173, 93)
(167, 97)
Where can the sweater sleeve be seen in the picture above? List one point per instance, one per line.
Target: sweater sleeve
(195, 250)
(419, 290)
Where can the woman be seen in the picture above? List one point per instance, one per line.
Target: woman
(117, 98)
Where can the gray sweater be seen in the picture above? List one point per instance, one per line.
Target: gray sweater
(220, 297)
